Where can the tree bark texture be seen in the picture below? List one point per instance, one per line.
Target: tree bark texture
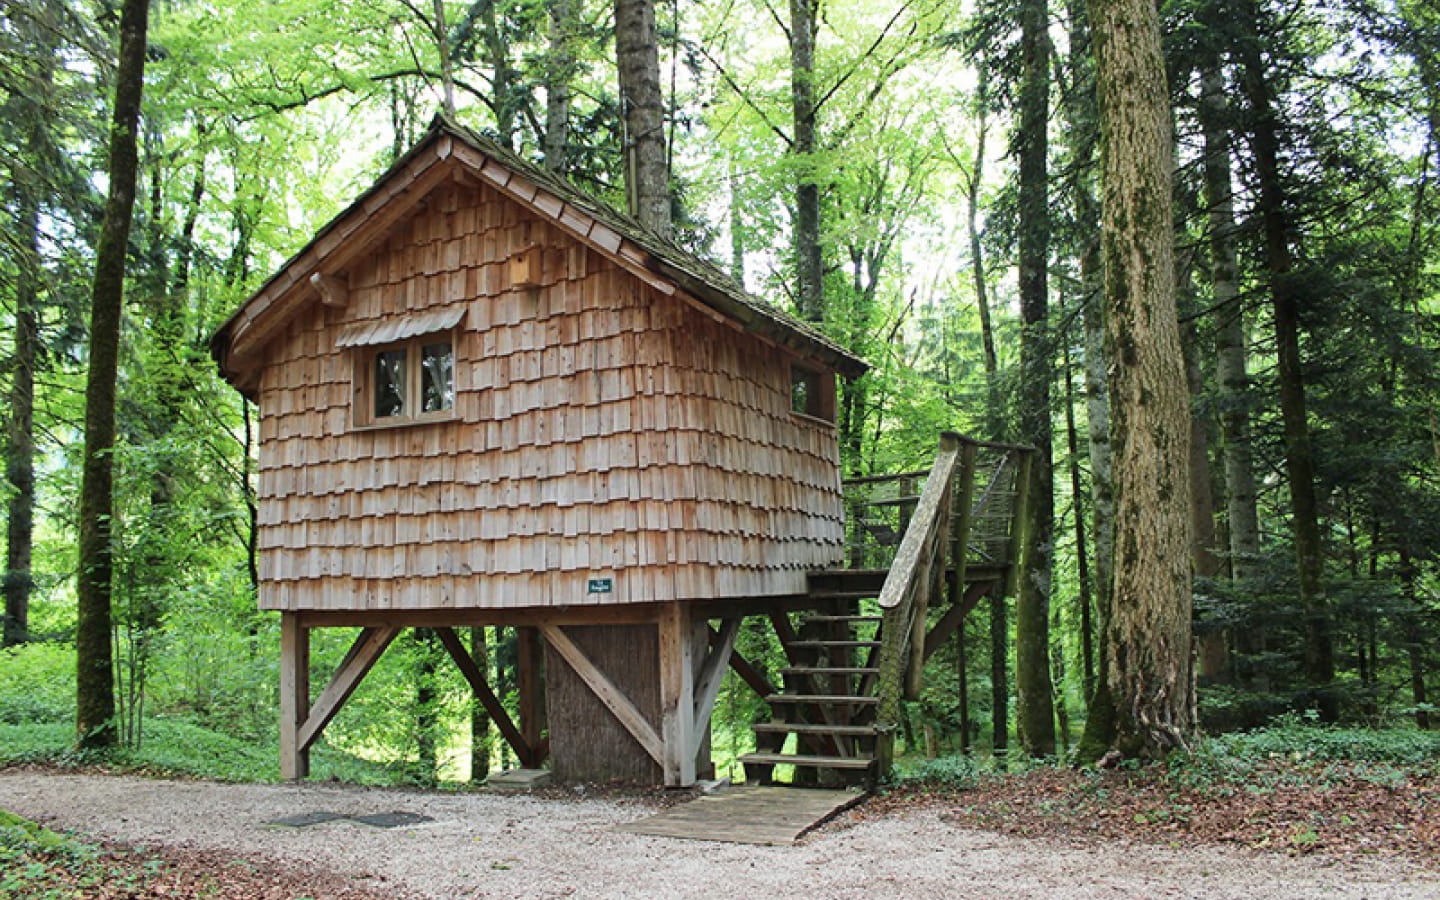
(559, 72)
(1148, 641)
(809, 259)
(1036, 711)
(29, 188)
(95, 686)
(1285, 300)
(1242, 516)
(637, 54)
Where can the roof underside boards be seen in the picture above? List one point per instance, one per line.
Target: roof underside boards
(449, 151)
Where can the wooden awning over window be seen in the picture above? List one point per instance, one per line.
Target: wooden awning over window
(399, 328)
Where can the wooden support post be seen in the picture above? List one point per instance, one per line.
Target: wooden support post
(677, 695)
(294, 695)
(530, 684)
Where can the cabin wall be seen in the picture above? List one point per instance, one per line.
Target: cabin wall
(603, 430)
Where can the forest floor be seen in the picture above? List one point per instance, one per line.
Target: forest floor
(1046, 832)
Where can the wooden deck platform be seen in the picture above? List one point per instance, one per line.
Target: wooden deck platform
(773, 816)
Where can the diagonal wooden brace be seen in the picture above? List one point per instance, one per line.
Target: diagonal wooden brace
(531, 756)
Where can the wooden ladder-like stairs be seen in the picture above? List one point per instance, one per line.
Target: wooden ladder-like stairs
(829, 699)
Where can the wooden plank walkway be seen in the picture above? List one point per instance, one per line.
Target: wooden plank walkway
(773, 816)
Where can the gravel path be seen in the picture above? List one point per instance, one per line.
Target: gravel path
(487, 845)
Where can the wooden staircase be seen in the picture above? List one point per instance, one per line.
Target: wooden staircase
(919, 543)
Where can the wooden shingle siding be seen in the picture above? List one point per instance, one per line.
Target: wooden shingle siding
(602, 430)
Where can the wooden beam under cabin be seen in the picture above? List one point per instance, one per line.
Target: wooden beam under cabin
(528, 753)
(294, 696)
(369, 645)
(745, 669)
(708, 681)
(618, 704)
(677, 696)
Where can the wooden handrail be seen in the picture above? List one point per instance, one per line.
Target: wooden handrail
(924, 524)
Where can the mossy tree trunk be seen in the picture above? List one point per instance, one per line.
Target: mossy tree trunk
(95, 681)
(637, 54)
(1036, 711)
(1149, 677)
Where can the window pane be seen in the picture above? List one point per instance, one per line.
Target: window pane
(804, 392)
(437, 377)
(389, 383)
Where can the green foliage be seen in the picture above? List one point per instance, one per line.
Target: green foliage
(1296, 750)
(37, 683)
(38, 864)
(181, 749)
(948, 772)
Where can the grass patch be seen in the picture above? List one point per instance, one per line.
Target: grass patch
(181, 749)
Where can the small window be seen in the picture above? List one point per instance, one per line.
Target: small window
(407, 382)
(812, 393)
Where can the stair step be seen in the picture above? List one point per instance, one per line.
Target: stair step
(819, 762)
(830, 670)
(823, 699)
(844, 618)
(843, 595)
(806, 728)
(836, 644)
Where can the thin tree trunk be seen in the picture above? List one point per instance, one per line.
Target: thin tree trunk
(1319, 653)
(637, 54)
(95, 684)
(1147, 637)
(1082, 555)
(809, 259)
(1036, 711)
(1230, 351)
(559, 72)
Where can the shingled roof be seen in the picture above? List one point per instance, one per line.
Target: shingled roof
(659, 261)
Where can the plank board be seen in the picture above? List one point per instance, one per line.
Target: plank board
(772, 816)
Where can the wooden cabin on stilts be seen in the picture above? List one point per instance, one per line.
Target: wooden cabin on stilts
(487, 399)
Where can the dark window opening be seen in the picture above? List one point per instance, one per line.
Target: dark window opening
(812, 393)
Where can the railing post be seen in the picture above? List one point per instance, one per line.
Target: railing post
(1019, 523)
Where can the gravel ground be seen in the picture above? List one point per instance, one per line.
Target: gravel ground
(489, 845)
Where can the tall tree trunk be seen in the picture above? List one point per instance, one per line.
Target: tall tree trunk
(1319, 653)
(637, 53)
(1036, 711)
(1082, 555)
(809, 259)
(505, 89)
(95, 683)
(559, 72)
(29, 185)
(1231, 372)
(1147, 637)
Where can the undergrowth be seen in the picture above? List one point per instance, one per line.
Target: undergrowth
(180, 749)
